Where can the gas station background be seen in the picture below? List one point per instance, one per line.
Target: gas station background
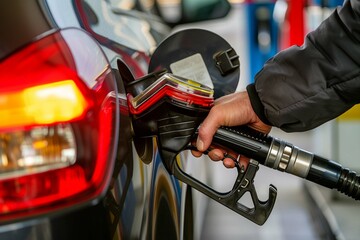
(258, 30)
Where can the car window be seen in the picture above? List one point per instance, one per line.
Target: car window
(119, 21)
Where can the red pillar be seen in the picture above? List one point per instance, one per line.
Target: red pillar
(296, 21)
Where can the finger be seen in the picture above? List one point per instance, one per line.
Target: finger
(196, 153)
(244, 161)
(231, 159)
(207, 130)
(216, 154)
(241, 160)
(229, 163)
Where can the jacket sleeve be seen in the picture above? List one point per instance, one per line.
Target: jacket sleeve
(302, 87)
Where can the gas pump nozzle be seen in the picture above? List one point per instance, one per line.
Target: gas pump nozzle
(172, 108)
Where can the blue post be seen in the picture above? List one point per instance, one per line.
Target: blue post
(262, 34)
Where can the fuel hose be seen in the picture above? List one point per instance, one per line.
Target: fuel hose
(283, 156)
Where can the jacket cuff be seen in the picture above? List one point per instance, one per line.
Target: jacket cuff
(256, 104)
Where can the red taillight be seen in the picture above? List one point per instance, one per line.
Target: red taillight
(58, 124)
(43, 104)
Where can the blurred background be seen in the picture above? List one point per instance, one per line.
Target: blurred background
(257, 30)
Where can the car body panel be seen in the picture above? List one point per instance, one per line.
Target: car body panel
(144, 201)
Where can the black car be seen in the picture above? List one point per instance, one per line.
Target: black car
(69, 168)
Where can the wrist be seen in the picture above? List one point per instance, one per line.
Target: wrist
(256, 104)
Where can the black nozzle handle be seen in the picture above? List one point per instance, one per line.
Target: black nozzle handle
(245, 141)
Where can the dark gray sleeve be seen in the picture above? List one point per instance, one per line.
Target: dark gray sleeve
(303, 87)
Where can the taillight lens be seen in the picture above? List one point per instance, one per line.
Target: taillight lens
(58, 125)
(35, 150)
(47, 103)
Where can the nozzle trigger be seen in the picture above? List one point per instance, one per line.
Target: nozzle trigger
(244, 183)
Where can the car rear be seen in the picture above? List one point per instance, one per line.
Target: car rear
(58, 128)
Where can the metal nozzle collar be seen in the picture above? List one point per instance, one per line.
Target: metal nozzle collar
(286, 157)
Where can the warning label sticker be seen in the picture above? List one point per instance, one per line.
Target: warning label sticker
(192, 68)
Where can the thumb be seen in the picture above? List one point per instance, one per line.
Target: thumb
(206, 131)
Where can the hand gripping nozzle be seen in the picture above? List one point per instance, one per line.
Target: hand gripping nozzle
(174, 121)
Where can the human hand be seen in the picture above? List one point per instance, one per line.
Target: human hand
(230, 110)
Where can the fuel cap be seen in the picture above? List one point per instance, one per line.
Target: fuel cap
(199, 55)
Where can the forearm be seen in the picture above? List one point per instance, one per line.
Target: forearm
(303, 87)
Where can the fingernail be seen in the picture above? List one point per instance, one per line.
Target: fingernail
(217, 157)
(199, 145)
